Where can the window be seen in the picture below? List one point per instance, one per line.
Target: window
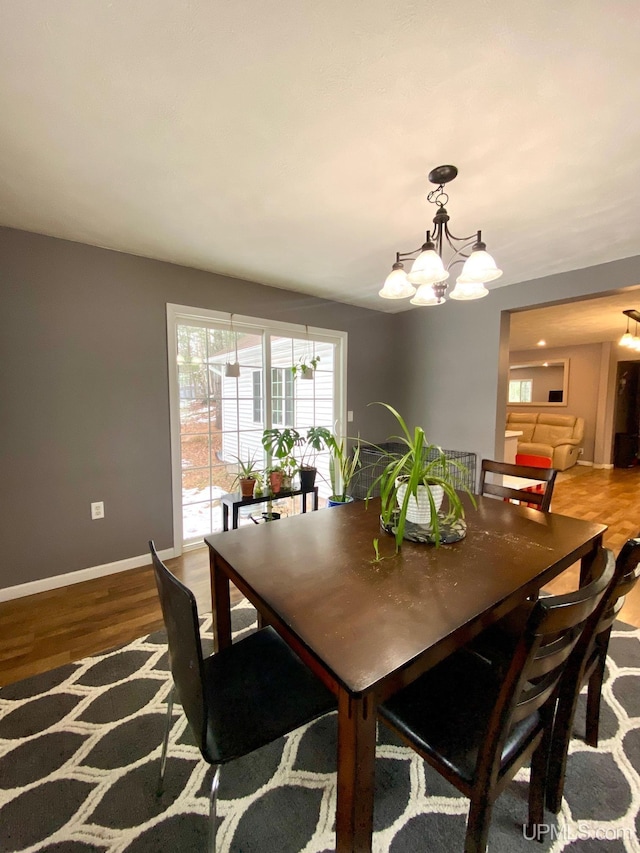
(281, 396)
(216, 418)
(257, 397)
(520, 390)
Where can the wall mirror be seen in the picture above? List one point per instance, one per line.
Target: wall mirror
(539, 383)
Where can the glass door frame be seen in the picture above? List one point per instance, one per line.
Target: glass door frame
(183, 314)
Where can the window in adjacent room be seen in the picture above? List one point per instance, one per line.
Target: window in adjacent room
(520, 390)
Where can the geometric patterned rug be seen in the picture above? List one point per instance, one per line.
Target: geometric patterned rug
(79, 756)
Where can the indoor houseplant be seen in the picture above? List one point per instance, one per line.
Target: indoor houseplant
(414, 481)
(247, 475)
(305, 367)
(342, 469)
(318, 438)
(279, 443)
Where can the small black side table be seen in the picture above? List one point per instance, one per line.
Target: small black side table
(235, 501)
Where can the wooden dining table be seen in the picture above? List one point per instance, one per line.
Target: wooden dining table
(369, 626)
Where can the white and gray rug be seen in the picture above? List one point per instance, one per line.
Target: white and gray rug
(79, 754)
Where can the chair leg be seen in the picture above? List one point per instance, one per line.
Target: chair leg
(537, 783)
(213, 799)
(165, 741)
(559, 749)
(478, 823)
(594, 695)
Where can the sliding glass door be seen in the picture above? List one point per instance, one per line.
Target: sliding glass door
(219, 410)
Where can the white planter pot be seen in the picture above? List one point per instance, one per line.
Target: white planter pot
(419, 512)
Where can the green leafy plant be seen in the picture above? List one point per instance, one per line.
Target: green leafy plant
(376, 550)
(247, 470)
(305, 366)
(420, 464)
(318, 438)
(259, 487)
(343, 467)
(280, 442)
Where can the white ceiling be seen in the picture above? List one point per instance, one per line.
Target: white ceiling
(288, 142)
(589, 321)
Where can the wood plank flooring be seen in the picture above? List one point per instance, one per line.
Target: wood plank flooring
(43, 631)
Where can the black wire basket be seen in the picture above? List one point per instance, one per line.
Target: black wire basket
(374, 460)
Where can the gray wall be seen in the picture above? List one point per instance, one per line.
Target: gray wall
(455, 356)
(85, 404)
(85, 396)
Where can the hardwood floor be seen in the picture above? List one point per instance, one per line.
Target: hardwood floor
(44, 631)
(610, 496)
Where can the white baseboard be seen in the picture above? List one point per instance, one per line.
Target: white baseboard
(45, 584)
(597, 465)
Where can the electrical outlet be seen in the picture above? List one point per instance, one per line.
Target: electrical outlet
(97, 510)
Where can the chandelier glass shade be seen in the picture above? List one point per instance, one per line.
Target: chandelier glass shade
(468, 290)
(428, 268)
(397, 285)
(628, 340)
(425, 295)
(426, 282)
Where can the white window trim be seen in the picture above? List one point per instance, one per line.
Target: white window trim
(186, 314)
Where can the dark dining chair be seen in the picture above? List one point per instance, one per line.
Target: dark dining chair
(239, 699)
(587, 666)
(477, 723)
(538, 498)
(534, 462)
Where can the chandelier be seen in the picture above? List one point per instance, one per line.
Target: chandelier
(629, 340)
(426, 283)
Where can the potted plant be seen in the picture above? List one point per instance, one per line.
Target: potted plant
(260, 487)
(318, 438)
(305, 367)
(289, 470)
(279, 443)
(414, 482)
(247, 475)
(275, 476)
(342, 469)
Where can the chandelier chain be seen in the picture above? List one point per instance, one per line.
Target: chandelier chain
(438, 196)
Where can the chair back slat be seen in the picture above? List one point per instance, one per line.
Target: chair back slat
(563, 623)
(611, 615)
(540, 656)
(627, 575)
(534, 695)
(540, 498)
(553, 654)
(180, 614)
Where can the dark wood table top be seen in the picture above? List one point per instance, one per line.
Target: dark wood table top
(316, 577)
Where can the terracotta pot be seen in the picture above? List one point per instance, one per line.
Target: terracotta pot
(247, 485)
